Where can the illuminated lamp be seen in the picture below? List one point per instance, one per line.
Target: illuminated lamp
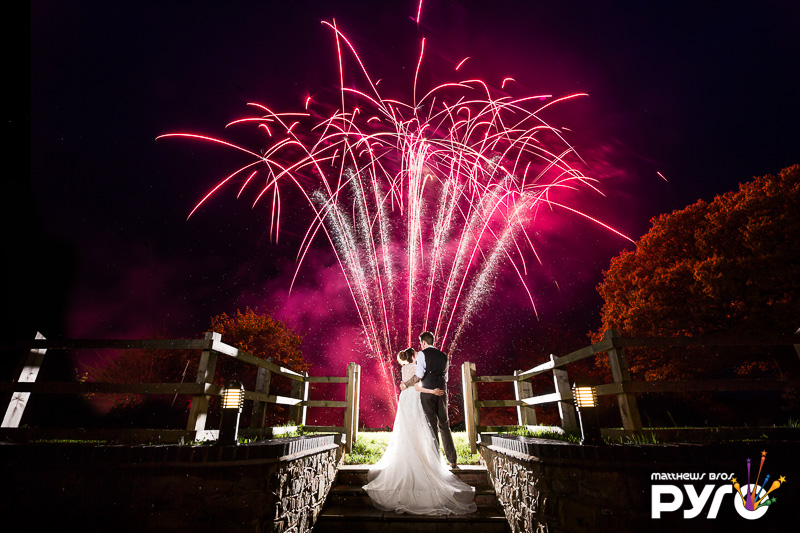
(586, 405)
(232, 401)
(584, 397)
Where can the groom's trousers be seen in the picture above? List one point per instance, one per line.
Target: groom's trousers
(435, 409)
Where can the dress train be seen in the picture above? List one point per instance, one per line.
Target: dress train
(411, 476)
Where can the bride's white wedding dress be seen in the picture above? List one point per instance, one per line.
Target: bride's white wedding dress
(412, 476)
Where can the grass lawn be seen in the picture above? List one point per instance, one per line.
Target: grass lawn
(370, 445)
(545, 432)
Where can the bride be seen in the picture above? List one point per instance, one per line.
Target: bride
(411, 476)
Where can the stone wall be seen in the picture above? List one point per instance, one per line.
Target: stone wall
(277, 485)
(540, 496)
(300, 487)
(553, 487)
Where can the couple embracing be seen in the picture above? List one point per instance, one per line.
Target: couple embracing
(411, 476)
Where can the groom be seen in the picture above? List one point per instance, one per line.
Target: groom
(432, 365)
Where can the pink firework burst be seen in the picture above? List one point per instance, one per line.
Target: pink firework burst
(424, 202)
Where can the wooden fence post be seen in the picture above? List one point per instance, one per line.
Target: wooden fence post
(350, 412)
(471, 414)
(297, 413)
(263, 378)
(628, 409)
(566, 408)
(205, 375)
(526, 414)
(19, 400)
(357, 401)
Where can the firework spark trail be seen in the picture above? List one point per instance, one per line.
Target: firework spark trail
(366, 236)
(489, 203)
(457, 267)
(440, 234)
(483, 285)
(423, 204)
(346, 244)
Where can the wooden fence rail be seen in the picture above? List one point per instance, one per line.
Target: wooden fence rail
(201, 390)
(621, 386)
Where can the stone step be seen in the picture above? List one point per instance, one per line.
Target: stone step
(353, 495)
(347, 487)
(368, 519)
(475, 475)
(348, 507)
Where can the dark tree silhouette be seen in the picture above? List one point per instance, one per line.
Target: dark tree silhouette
(259, 334)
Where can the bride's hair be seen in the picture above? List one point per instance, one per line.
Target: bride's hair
(404, 357)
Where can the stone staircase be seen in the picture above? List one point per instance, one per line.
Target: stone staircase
(348, 508)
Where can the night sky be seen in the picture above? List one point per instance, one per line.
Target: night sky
(99, 245)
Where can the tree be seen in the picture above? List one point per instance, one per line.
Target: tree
(259, 334)
(143, 366)
(731, 266)
(265, 337)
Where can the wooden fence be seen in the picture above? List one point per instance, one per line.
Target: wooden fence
(201, 390)
(621, 386)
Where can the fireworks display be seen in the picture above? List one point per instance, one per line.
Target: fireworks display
(424, 203)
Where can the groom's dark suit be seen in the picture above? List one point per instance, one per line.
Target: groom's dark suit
(435, 407)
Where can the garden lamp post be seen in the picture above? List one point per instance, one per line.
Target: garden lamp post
(232, 401)
(586, 405)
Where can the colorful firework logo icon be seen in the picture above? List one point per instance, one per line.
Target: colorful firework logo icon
(753, 499)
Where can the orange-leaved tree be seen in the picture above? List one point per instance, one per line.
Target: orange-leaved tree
(727, 267)
(261, 335)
